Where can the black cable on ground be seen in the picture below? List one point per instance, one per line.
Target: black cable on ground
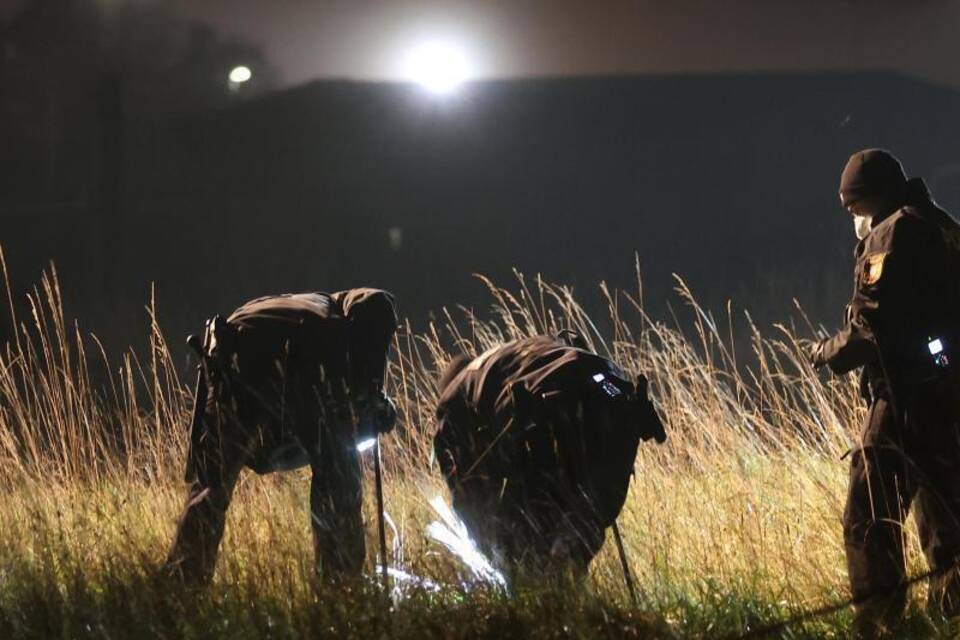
(826, 610)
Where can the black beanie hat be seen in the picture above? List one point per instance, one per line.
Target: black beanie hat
(869, 172)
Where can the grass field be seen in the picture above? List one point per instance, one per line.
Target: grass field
(731, 526)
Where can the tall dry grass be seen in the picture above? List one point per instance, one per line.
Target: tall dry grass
(733, 522)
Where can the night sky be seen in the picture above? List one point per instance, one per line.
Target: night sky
(309, 39)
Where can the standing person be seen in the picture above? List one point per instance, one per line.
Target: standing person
(536, 440)
(288, 381)
(902, 329)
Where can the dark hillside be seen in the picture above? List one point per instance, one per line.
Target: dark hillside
(729, 180)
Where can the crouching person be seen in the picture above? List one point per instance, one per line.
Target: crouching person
(288, 381)
(536, 440)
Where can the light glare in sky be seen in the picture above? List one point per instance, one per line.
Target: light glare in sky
(438, 67)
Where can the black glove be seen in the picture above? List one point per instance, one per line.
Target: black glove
(650, 424)
(381, 413)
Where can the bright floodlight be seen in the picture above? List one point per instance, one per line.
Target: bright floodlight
(240, 74)
(366, 444)
(438, 67)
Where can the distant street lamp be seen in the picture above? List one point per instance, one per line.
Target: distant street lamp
(239, 75)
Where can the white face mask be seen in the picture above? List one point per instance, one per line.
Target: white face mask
(861, 226)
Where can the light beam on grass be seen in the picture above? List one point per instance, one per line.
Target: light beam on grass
(452, 533)
(405, 580)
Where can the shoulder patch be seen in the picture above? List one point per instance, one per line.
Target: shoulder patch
(873, 268)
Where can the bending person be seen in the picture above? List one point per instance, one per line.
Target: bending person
(288, 381)
(536, 440)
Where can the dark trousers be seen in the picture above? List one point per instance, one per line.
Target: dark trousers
(240, 422)
(907, 462)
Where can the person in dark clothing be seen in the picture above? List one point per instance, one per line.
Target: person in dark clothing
(536, 440)
(288, 381)
(902, 329)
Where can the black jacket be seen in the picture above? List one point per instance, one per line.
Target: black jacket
(906, 294)
(538, 420)
(345, 335)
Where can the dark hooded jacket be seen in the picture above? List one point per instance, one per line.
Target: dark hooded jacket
(906, 294)
(286, 363)
(538, 423)
(345, 335)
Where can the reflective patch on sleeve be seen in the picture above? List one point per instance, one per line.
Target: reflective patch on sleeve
(873, 268)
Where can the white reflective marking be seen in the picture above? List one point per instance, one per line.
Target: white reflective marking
(935, 346)
(599, 377)
(366, 444)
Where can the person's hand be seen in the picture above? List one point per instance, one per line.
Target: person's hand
(815, 354)
(384, 413)
(375, 413)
